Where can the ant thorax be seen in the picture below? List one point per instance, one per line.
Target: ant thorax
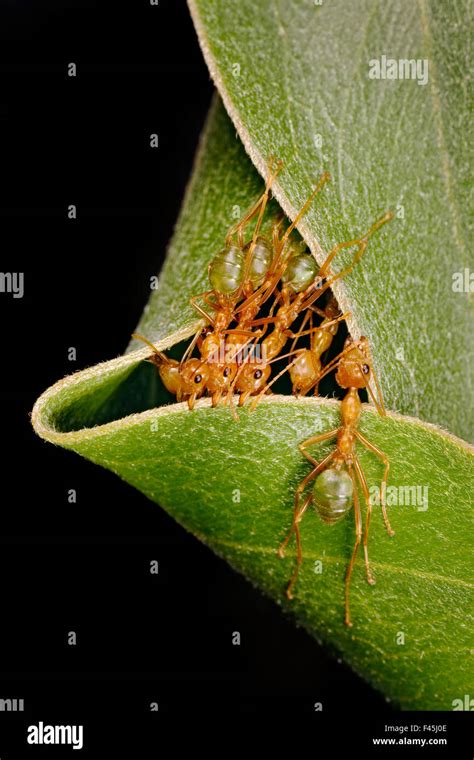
(350, 408)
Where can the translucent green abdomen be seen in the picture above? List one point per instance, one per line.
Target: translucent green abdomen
(261, 259)
(300, 272)
(333, 493)
(226, 270)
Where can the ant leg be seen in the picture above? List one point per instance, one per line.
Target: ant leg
(299, 335)
(299, 553)
(316, 439)
(313, 330)
(358, 527)
(240, 369)
(267, 387)
(296, 512)
(278, 300)
(239, 331)
(313, 296)
(361, 243)
(365, 489)
(216, 398)
(251, 299)
(318, 311)
(276, 226)
(243, 397)
(383, 487)
(233, 409)
(258, 224)
(262, 321)
(209, 298)
(200, 310)
(361, 246)
(276, 262)
(264, 329)
(323, 178)
(283, 297)
(238, 228)
(263, 293)
(377, 387)
(204, 294)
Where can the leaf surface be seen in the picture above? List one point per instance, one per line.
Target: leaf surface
(294, 77)
(232, 484)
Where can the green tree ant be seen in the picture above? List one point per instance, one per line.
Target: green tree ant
(335, 488)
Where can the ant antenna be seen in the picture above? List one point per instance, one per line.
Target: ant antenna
(162, 356)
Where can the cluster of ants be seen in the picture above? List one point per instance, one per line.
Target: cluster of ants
(237, 349)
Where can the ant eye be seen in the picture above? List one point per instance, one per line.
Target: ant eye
(226, 372)
(257, 374)
(198, 379)
(365, 369)
(205, 331)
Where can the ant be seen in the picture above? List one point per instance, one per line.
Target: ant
(308, 363)
(187, 381)
(335, 487)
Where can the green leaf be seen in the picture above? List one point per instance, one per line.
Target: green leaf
(196, 464)
(293, 73)
(424, 574)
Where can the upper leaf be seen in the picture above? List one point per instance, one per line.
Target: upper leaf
(294, 77)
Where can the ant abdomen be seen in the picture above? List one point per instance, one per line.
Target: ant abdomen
(333, 493)
(262, 255)
(300, 272)
(226, 270)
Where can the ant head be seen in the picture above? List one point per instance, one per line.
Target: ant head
(194, 376)
(355, 366)
(253, 378)
(332, 309)
(221, 376)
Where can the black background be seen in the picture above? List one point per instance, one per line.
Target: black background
(85, 566)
